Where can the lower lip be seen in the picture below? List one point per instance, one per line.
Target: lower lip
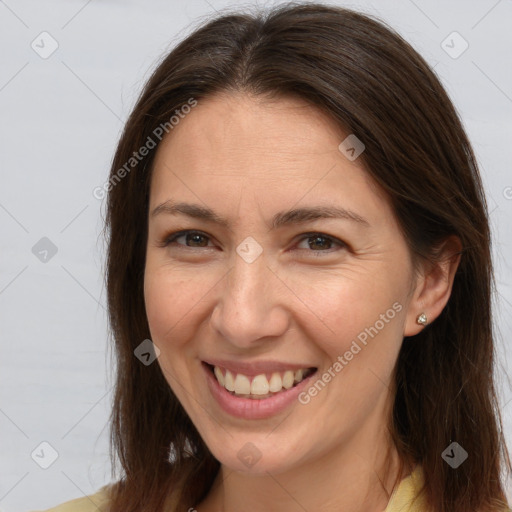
(253, 409)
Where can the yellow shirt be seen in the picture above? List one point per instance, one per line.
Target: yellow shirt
(400, 501)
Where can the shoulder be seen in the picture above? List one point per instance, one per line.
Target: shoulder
(93, 503)
(406, 497)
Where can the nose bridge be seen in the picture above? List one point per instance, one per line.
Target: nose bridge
(248, 308)
(246, 283)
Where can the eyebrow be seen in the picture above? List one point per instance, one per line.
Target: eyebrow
(284, 218)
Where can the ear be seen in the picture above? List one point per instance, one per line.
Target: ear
(434, 285)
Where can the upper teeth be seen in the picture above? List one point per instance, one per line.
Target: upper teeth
(260, 385)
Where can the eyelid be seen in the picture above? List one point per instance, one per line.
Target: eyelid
(335, 240)
(171, 237)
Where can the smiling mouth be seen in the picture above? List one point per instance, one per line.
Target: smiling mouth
(260, 386)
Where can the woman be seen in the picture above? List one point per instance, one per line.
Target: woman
(299, 279)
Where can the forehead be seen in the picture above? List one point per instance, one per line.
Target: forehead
(231, 126)
(278, 151)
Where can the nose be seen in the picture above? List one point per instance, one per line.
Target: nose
(250, 306)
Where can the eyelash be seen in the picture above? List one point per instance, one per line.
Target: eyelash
(170, 238)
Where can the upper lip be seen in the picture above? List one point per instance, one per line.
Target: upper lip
(251, 369)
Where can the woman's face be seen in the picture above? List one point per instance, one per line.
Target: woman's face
(276, 288)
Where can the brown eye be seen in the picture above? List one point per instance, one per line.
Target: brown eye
(193, 239)
(196, 239)
(321, 243)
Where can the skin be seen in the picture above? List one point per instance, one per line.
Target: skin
(301, 302)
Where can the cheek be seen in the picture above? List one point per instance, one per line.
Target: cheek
(170, 311)
(171, 303)
(360, 321)
(341, 305)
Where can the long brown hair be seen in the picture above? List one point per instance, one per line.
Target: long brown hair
(374, 84)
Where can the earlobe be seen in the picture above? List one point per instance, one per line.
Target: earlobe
(434, 288)
(422, 319)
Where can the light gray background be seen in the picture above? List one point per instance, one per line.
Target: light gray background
(60, 120)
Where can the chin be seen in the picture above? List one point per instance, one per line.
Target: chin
(255, 454)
